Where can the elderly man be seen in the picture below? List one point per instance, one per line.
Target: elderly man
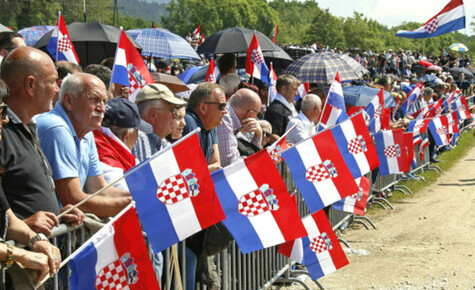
(282, 109)
(116, 138)
(68, 143)
(10, 40)
(239, 122)
(305, 121)
(157, 106)
(206, 108)
(27, 182)
(266, 132)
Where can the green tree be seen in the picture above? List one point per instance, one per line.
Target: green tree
(326, 29)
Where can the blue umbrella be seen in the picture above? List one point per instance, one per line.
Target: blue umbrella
(163, 44)
(361, 96)
(428, 78)
(34, 33)
(190, 73)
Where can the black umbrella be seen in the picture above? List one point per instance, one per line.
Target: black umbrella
(233, 40)
(93, 41)
(456, 71)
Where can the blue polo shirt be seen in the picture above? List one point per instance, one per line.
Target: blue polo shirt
(207, 137)
(68, 155)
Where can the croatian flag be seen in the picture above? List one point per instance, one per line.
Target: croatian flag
(197, 30)
(115, 257)
(334, 110)
(210, 73)
(440, 131)
(449, 99)
(461, 106)
(378, 114)
(174, 194)
(302, 91)
(129, 69)
(391, 153)
(355, 144)
(411, 99)
(451, 18)
(319, 171)
(355, 203)
(278, 146)
(418, 127)
(409, 148)
(434, 109)
(320, 251)
(61, 43)
(424, 144)
(259, 210)
(255, 64)
(272, 85)
(453, 122)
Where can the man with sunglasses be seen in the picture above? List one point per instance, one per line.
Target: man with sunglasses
(206, 108)
(10, 40)
(239, 123)
(157, 106)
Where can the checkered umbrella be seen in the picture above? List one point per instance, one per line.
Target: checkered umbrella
(458, 47)
(320, 68)
(162, 43)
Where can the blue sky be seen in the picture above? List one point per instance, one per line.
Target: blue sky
(395, 12)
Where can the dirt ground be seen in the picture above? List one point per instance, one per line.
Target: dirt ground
(427, 242)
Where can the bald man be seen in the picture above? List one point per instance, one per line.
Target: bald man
(27, 183)
(240, 121)
(305, 120)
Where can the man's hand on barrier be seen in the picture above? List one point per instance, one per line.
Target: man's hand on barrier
(42, 222)
(53, 253)
(74, 217)
(32, 260)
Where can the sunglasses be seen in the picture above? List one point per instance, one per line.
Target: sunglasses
(221, 106)
(266, 134)
(4, 111)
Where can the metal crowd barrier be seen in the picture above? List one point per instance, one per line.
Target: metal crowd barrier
(258, 270)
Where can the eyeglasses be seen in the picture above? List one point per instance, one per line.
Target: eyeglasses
(221, 106)
(172, 110)
(4, 111)
(252, 110)
(266, 134)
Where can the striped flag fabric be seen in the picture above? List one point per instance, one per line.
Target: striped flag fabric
(450, 18)
(320, 251)
(115, 257)
(320, 171)
(411, 98)
(391, 153)
(409, 148)
(276, 148)
(418, 127)
(260, 212)
(302, 91)
(461, 106)
(197, 30)
(424, 144)
(129, 69)
(453, 122)
(174, 194)
(356, 146)
(334, 110)
(355, 203)
(60, 45)
(255, 64)
(210, 73)
(439, 130)
(272, 85)
(435, 109)
(378, 114)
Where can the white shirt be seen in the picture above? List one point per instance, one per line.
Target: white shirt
(303, 130)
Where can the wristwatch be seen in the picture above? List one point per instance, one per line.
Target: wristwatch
(38, 237)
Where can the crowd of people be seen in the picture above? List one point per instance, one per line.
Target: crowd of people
(66, 135)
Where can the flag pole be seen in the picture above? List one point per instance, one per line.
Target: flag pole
(57, 36)
(129, 172)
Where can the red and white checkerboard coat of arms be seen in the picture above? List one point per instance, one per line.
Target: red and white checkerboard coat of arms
(118, 274)
(392, 151)
(64, 44)
(432, 26)
(258, 201)
(321, 243)
(357, 145)
(442, 130)
(178, 187)
(136, 80)
(257, 57)
(321, 172)
(275, 154)
(358, 195)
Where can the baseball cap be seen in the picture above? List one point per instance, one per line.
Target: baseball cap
(123, 113)
(157, 92)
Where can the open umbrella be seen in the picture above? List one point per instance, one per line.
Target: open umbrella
(4, 28)
(428, 78)
(93, 41)
(425, 63)
(196, 74)
(232, 40)
(172, 82)
(357, 67)
(434, 67)
(361, 96)
(456, 71)
(458, 47)
(320, 68)
(163, 44)
(34, 33)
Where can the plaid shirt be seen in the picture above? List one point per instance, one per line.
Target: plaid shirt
(147, 145)
(228, 132)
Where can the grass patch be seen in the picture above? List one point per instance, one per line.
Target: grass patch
(447, 160)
